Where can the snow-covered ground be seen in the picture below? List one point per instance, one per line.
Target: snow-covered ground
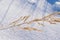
(11, 10)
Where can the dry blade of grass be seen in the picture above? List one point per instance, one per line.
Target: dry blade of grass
(26, 17)
(57, 20)
(31, 29)
(52, 20)
(50, 16)
(46, 18)
(21, 18)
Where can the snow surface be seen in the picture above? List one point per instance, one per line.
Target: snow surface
(11, 10)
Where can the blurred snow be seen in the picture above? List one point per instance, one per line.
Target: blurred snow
(20, 8)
